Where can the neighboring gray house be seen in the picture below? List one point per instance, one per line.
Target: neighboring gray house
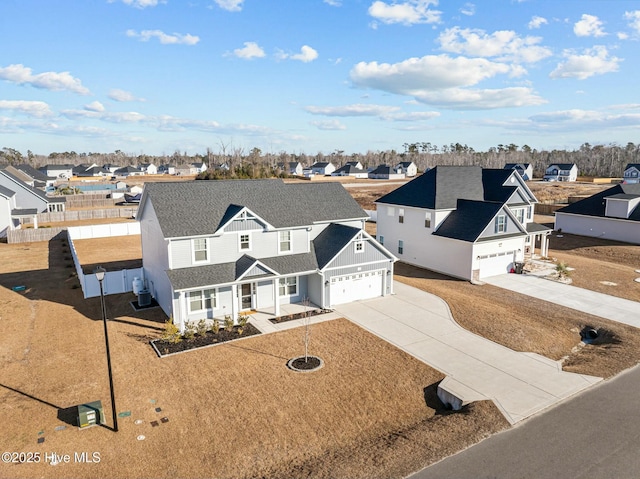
(561, 172)
(167, 169)
(407, 168)
(128, 171)
(7, 206)
(216, 248)
(525, 169)
(463, 221)
(613, 214)
(632, 173)
(36, 177)
(322, 168)
(385, 172)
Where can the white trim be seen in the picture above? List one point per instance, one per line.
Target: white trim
(358, 264)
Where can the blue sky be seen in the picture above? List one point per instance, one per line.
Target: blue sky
(308, 76)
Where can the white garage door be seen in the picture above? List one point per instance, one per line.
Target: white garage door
(352, 287)
(493, 265)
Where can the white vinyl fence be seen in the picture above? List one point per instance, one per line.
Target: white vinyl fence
(115, 282)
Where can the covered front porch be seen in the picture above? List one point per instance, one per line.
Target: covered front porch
(538, 237)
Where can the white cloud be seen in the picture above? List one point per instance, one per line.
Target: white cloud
(468, 9)
(409, 12)
(230, 5)
(333, 3)
(594, 61)
(38, 109)
(577, 119)
(331, 125)
(413, 116)
(121, 95)
(358, 109)
(141, 3)
(52, 81)
(306, 55)
(537, 22)
(164, 38)
(111, 117)
(589, 26)
(634, 20)
(94, 106)
(250, 50)
(440, 80)
(504, 44)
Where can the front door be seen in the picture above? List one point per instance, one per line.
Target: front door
(246, 296)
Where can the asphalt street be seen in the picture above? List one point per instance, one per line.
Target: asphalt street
(593, 435)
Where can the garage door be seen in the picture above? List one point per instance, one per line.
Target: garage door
(352, 287)
(493, 265)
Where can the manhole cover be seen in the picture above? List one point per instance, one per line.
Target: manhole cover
(140, 438)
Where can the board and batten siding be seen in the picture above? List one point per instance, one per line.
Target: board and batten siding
(490, 230)
(155, 259)
(250, 224)
(348, 256)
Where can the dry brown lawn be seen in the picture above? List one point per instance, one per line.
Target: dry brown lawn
(560, 191)
(233, 410)
(113, 253)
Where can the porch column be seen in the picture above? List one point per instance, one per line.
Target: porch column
(182, 311)
(35, 222)
(234, 301)
(544, 245)
(276, 297)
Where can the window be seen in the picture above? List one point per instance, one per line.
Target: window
(401, 215)
(427, 220)
(245, 242)
(289, 286)
(400, 246)
(520, 215)
(285, 241)
(501, 224)
(359, 245)
(200, 250)
(381, 239)
(529, 211)
(391, 211)
(201, 300)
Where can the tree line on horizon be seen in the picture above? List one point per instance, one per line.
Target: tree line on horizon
(592, 160)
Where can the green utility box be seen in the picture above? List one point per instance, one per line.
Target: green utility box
(90, 414)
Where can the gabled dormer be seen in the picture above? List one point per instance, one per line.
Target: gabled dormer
(240, 218)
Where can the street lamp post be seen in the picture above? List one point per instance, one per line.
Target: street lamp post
(100, 276)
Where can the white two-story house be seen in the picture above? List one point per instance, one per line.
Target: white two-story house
(217, 248)
(561, 172)
(463, 221)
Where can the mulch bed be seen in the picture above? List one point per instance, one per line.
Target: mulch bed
(291, 317)
(165, 348)
(299, 364)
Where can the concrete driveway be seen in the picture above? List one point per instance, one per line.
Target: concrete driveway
(520, 384)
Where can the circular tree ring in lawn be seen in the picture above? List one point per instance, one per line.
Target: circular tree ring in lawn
(313, 363)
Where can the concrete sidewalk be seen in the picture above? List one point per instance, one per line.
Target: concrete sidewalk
(520, 384)
(598, 304)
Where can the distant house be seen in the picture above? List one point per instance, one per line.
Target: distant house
(197, 168)
(350, 170)
(92, 171)
(561, 172)
(525, 169)
(355, 164)
(148, 168)
(58, 171)
(291, 168)
(128, 171)
(110, 167)
(632, 173)
(613, 214)
(322, 168)
(212, 249)
(407, 168)
(167, 169)
(385, 172)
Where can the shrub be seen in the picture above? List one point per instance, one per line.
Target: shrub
(215, 326)
(563, 270)
(201, 328)
(189, 330)
(228, 323)
(171, 332)
(242, 322)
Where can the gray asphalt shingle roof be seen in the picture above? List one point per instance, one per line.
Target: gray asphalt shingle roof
(6, 192)
(331, 241)
(596, 205)
(198, 207)
(468, 220)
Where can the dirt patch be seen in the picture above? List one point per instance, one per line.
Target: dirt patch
(113, 253)
(234, 410)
